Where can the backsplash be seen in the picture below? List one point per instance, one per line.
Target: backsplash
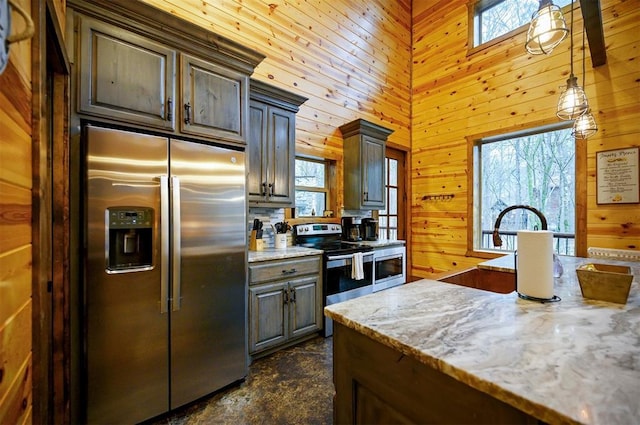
(268, 216)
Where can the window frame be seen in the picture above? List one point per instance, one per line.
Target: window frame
(473, 199)
(326, 189)
(472, 23)
(472, 6)
(399, 157)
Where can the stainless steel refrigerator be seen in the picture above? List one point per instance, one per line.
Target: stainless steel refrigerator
(165, 279)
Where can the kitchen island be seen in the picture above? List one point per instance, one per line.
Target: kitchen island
(431, 351)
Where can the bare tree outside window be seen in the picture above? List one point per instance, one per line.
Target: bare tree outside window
(537, 170)
(311, 187)
(493, 19)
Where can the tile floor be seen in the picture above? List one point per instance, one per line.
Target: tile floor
(292, 386)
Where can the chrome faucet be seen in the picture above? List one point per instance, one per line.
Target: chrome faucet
(497, 241)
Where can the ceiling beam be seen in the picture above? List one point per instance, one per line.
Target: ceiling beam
(592, 17)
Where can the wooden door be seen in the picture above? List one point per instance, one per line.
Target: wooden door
(305, 306)
(373, 173)
(268, 315)
(125, 76)
(280, 156)
(214, 101)
(393, 218)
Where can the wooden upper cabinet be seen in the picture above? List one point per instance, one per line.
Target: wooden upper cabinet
(364, 170)
(373, 172)
(281, 154)
(214, 100)
(271, 145)
(257, 162)
(125, 76)
(128, 72)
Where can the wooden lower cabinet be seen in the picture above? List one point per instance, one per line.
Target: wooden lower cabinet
(268, 320)
(285, 302)
(376, 384)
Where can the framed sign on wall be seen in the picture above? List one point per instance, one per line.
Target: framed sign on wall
(617, 177)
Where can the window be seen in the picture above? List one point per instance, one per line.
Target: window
(495, 18)
(391, 219)
(534, 167)
(388, 218)
(311, 187)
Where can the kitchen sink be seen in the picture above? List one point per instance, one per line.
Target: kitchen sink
(485, 279)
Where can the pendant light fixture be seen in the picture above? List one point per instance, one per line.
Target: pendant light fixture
(573, 101)
(585, 125)
(546, 30)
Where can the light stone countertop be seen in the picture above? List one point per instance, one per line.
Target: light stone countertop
(574, 361)
(279, 254)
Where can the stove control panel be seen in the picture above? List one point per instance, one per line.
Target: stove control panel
(311, 229)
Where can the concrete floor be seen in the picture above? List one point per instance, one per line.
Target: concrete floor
(292, 386)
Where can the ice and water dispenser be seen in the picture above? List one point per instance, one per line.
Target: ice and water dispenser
(129, 239)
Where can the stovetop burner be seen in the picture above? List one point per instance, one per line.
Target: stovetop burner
(333, 248)
(325, 236)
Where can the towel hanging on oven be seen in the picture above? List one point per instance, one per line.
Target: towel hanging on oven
(357, 270)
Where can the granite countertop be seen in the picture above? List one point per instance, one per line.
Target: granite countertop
(574, 361)
(279, 254)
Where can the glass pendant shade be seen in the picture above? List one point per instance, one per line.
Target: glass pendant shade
(547, 29)
(585, 126)
(573, 101)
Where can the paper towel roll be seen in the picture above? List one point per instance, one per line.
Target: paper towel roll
(535, 263)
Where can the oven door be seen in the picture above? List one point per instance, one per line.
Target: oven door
(389, 267)
(339, 278)
(339, 285)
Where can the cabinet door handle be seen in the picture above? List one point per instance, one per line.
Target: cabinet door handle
(187, 113)
(264, 188)
(169, 109)
(290, 271)
(286, 297)
(292, 296)
(366, 196)
(271, 189)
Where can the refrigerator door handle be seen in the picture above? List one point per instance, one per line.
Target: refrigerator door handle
(164, 243)
(175, 257)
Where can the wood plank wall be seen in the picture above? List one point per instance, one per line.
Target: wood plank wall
(16, 272)
(15, 232)
(352, 59)
(502, 88)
